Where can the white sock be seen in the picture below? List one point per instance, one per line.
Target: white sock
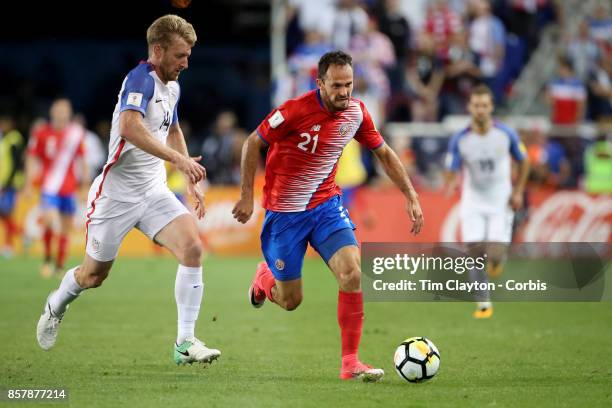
(68, 290)
(483, 297)
(188, 290)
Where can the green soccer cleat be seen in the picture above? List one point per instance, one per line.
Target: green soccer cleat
(192, 351)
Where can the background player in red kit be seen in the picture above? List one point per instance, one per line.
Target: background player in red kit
(306, 137)
(53, 151)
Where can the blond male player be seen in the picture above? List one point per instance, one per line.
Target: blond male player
(131, 192)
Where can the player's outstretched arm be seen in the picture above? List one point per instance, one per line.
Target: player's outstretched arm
(133, 130)
(248, 166)
(516, 200)
(32, 168)
(450, 182)
(85, 178)
(176, 141)
(396, 172)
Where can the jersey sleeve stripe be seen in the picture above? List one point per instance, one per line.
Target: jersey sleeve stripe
(261, 137)
(379, 146)
(134, 108)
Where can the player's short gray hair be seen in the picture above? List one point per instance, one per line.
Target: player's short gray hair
(164, 28)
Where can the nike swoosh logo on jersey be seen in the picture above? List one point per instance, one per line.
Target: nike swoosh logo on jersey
(158, 100)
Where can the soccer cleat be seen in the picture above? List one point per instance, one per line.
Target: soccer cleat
(483, 313)
(48, 325)
(494, 270)
(362, 372)
(192, 351)
(257, 296)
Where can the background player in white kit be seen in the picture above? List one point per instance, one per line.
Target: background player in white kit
(488, 200)
(132, 191)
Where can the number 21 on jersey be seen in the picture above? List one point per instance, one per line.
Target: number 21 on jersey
(303, 145)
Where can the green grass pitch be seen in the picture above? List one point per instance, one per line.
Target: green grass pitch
(115, 344)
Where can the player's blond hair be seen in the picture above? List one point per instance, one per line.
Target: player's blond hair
(164, 28)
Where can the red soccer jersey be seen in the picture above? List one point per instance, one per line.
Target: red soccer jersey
(57, 150)
(306, 141)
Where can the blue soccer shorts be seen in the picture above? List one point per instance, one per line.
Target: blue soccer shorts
(64, 204)
(286, 235)
(7, 201)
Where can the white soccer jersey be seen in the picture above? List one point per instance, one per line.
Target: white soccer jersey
(486, 160)
(130, 174)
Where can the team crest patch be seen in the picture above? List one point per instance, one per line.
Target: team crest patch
(344, 129)
(279, 264)
(95, 245)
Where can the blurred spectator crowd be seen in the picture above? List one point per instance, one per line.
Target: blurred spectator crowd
(416, 61)
(583, 87)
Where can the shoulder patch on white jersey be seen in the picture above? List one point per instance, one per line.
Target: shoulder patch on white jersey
(276, 119)
(134, 99)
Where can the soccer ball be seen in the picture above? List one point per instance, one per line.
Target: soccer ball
(417, 359)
